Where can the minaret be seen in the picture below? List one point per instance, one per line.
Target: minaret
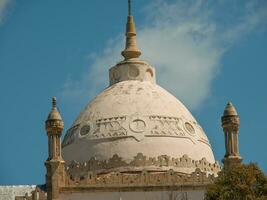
(131, 50)
(230, 124)
(54, 164)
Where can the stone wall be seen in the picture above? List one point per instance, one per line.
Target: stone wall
(155, 195)
(10, 192)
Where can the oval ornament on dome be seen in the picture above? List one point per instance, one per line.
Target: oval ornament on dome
(85, 130)
(138, 125)
(116, 75)
(189, 128)
(133, 71)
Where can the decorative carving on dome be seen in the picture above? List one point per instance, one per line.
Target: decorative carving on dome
(115, 75)
(149, 73)
(204, 141)
(189, 128)
(140, 161)
(110, 127)
(163, 126)
(133, 71)
(137, 179)
(137, 125)
(85, 130)
(69, 137)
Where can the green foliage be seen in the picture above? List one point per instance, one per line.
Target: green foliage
(240, 182)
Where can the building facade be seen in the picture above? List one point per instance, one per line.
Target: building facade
(132, 141)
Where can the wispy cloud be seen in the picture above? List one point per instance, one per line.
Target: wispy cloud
(3, 7)
(184, 40)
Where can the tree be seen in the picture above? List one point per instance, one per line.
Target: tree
(240, 182)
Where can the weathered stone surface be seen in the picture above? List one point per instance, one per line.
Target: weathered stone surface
(139, 163)
(131, 117)
(10, 192)
(139, 179)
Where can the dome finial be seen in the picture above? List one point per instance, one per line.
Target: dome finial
(131, 50)
(54, 102)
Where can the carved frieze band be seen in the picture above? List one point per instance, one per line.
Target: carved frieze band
(140, 161)
(137, 127)
(166, 126)
(143, 178)
(109, 127)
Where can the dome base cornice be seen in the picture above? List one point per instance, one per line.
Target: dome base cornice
(140, 163)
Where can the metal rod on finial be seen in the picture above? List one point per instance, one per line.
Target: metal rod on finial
(54, 102)
(129, 7)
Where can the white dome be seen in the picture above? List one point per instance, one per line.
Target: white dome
(132, 117)
(136, 125)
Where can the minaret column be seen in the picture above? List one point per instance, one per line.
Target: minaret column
(55, 165)
(230, 123)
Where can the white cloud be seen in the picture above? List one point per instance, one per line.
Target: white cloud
(3, 6)
(184, 40)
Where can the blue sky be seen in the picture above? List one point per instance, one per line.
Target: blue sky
(205, 52)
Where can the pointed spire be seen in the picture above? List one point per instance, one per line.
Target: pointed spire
(230, 118)
(131, 50)
(54, 114)
(230, 110)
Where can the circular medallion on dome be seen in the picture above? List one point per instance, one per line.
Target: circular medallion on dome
(85, 130)
(149, 73)
(133, 71)
(189, 128)
(115, 74)
(138, 125)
